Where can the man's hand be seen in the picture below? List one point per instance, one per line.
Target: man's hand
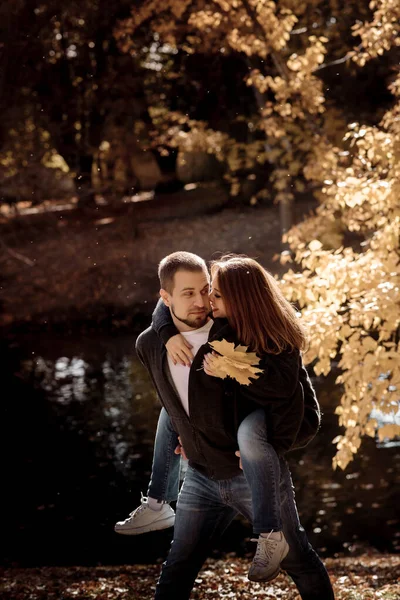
(180, 450)
(179, 349)
(237, 453)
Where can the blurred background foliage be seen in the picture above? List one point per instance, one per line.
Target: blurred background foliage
(273, 100)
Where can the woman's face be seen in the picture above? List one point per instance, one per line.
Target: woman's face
(216, 300)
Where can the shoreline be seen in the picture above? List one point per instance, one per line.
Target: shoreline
(94, 267)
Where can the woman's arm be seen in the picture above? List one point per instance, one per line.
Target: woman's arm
(162, 322)
(312, 411)
(178, 348)
(278, 380)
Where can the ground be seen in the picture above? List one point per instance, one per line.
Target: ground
(101, 263)
(57, 266)
(366, 577)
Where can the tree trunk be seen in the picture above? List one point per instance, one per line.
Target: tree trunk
(286, 217)
(286, 209)
(169, 179)
(83, 181)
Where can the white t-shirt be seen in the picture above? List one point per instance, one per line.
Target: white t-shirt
(180, 373)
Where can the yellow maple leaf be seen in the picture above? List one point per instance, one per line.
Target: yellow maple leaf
(235, 362)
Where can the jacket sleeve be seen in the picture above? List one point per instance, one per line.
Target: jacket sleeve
(162, 322)
(141, 346)
(312, 412)
(308, 387)
(140, 349)
(279, 379)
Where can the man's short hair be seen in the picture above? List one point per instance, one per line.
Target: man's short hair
(178, 261)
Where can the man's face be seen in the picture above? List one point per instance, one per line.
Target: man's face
(189, 302)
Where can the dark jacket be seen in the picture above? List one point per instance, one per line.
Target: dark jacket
(207, 436)
(274, 389)
(218, 406)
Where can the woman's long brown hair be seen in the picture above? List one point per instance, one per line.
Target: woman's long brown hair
(256, 309)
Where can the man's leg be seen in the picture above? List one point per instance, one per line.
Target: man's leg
(302, 562)
(201, 516)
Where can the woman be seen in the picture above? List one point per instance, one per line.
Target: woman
(249, 309)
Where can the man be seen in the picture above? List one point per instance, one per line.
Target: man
(214, 489)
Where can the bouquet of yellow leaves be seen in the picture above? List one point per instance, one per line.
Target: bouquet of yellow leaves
(234, 362)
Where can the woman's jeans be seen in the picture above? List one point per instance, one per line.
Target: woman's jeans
(165, 472)
(261, 467)
(260, 462)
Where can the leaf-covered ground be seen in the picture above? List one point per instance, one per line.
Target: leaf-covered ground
(80, 265)
(361, 578)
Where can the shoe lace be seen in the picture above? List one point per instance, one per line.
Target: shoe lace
(265, 550)
(139, 509)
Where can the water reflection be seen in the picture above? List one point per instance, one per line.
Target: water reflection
(392, 418)
(80, 422)
(63, 378)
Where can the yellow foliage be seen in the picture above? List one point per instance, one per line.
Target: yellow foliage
(235, 362)
(53, 160)
(379, 34)
(350, 298)
(349, 295)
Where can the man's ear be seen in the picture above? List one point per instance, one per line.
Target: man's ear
(166, 298)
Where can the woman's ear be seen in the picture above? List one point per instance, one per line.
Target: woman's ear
(166, 298)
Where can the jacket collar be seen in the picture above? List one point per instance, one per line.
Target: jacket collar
(221, 328)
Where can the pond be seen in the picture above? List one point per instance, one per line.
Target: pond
(78, 421)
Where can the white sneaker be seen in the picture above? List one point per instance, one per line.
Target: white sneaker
(144, 519)
(268, 557)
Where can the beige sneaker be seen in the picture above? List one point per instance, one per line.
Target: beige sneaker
(268, 557)
(144, 519)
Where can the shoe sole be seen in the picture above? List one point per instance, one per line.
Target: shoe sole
(274, 574)
(165, 524)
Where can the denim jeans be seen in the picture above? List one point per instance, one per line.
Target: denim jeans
(164, 482)
(206, 507)
(260, 466)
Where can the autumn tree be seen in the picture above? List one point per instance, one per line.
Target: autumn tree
(347, 278)
(350, 292)
(66, 87)
(281, 49)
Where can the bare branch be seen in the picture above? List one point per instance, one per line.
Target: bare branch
(339, 60)
(17, 255)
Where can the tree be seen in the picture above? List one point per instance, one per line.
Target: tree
(350, 292)
(281, 64)
(73, 87)
(348, 251)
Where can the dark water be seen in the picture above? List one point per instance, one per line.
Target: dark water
(78, 422)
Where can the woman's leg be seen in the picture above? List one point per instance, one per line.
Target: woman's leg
(261, 467)
(262, 470)
(164, 480)
(154, 513)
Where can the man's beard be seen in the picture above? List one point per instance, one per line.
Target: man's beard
(193, 322)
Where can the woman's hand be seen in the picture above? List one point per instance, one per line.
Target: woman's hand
(180, 450)
(179, 350)
(209, 364)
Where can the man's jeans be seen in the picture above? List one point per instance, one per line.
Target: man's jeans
(206, 507)
(260, 465)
